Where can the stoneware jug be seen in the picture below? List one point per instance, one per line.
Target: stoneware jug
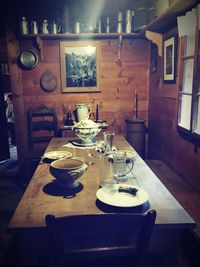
(83, 111)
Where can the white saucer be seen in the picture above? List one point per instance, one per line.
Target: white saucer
(54, 155)
(79, 142)
(113, 197)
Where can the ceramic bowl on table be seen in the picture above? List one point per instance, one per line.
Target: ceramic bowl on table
(86, 130)
(67, 171)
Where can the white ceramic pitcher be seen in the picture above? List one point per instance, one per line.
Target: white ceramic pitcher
(83, 111)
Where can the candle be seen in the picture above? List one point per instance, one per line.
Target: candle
(97, 113)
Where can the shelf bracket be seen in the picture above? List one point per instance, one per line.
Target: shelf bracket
(156, 38)
(40, 47)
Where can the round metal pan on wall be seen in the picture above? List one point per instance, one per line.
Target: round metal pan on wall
(28, 60)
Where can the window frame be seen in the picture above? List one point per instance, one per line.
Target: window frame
(189, 134)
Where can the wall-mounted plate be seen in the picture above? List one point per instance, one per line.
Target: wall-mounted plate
(28, 60)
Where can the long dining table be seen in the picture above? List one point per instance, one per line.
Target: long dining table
(43, 196)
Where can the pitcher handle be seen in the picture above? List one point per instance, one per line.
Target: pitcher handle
(89, 110)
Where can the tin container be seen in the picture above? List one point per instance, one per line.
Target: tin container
(129, 21)
(45, 27)
(77, 27)
(119, 22)
(99, 26)
(24, 26)
(34, 27)
(54, 27)
(107, 25)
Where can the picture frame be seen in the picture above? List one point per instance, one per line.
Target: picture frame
(80, 66)
(153, 58)
(169, 61)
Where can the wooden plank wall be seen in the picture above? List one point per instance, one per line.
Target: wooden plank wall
(118, 82)
(164, 140)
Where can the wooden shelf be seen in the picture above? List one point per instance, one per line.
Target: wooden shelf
(159, 24)
(82, 36)
(168, 18)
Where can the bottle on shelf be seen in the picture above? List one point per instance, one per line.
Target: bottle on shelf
(119, 22)
(107, 25)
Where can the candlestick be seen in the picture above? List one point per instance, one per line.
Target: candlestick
(135, 105)
(97, 113)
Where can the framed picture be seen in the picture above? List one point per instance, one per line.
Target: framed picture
(170, 53)
(153, 57)
(80, 70)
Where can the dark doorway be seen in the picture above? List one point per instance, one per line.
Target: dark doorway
(4, 142)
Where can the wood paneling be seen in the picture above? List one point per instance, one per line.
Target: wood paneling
(118, 81)
(164, 140)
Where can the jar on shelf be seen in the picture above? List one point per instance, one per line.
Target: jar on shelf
(119, 22)
(24, 26)
(129, 21)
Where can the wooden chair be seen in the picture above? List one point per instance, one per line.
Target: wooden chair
(42, 126)
(101, 239)
(44, 123)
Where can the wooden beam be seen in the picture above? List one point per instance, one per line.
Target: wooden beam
(169, 16)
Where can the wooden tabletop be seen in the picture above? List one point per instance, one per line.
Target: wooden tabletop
(43, 197)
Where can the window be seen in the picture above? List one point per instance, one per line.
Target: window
(189, 93)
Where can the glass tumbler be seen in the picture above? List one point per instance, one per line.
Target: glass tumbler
(106, 173)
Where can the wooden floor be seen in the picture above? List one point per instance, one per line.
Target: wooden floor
(186, 195)
(189, 198)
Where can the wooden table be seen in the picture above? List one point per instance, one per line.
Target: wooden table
(43, 197)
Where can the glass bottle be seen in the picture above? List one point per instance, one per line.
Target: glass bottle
(108, 140)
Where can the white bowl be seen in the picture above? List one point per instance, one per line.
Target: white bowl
(67, 171)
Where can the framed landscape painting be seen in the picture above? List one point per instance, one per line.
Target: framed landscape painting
(80, 69)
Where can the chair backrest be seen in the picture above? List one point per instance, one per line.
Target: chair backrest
(106, 236)
(44, 122)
